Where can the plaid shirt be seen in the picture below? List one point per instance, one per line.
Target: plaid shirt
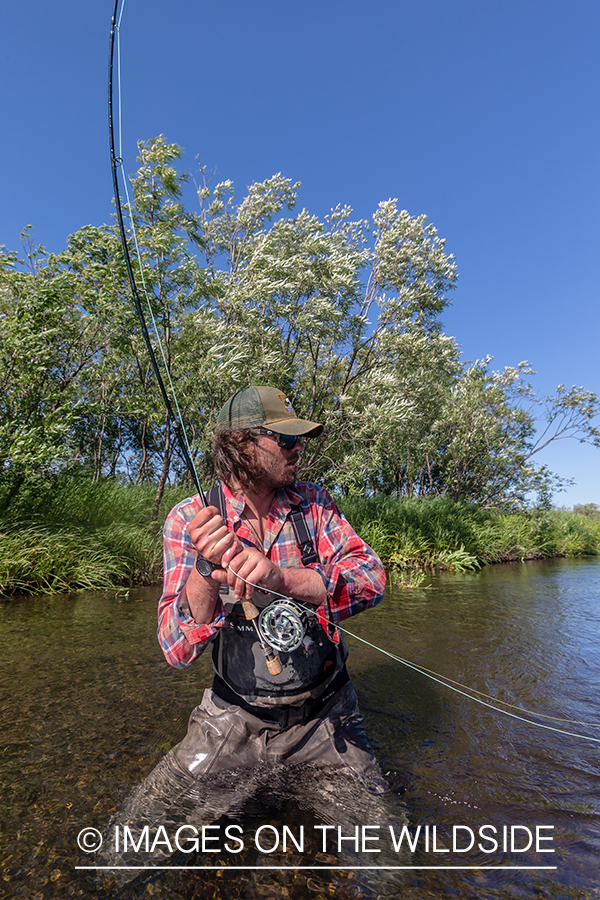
(353, 574)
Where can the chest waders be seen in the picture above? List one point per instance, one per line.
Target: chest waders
(312, 665)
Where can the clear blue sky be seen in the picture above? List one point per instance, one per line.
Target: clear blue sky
(482, 115)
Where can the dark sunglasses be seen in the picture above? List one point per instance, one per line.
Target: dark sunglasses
(288, 441)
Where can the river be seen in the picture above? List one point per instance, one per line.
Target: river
(88, 707)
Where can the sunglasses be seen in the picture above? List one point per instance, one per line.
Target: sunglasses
(288, 441)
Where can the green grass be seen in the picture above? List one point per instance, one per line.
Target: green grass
(455, 537)
(51, 560)
(68, 534)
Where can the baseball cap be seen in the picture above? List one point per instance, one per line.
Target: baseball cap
(264, 407)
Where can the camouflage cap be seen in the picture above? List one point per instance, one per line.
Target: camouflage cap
(264, 407)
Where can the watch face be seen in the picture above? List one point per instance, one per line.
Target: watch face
(204, 566)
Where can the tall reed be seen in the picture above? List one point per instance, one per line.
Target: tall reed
(66, 534)
(444, 534)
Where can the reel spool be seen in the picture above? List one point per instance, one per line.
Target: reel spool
(282, 625)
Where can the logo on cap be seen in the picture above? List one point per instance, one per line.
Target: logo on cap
(286, 403)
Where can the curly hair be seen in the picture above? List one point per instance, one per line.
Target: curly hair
(234, 457)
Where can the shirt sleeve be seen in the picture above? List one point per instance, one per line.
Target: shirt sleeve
(352, 572)
(181, 638)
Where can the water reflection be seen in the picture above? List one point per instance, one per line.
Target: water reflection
(88, 708)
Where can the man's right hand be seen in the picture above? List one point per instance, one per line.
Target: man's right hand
(210, 535)
(211, 538)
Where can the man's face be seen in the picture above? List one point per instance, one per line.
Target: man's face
(280, 466)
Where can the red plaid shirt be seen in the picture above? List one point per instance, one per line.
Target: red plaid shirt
(353, 574)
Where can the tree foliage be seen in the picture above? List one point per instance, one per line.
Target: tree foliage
(343, 314)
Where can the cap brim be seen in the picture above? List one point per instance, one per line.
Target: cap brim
(301, 427)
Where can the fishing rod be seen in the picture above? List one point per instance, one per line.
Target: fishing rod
(280, 628)
(116, 164)
(250, 610)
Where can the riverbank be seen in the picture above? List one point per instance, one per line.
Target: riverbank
(70, 535)
(415, 535)
(76, 535)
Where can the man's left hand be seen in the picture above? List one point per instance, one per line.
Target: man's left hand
(250, 564)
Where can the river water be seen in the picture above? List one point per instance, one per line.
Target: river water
(88, 707)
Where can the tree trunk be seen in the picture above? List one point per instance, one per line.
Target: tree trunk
(98, 453)
(142, 467)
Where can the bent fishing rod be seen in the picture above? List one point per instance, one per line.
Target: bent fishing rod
(116, 164)
(281, 608)
(250, 610)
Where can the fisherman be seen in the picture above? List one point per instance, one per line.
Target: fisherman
(261, 576)
(265, 530)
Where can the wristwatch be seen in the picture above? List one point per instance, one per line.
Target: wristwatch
(205, 567)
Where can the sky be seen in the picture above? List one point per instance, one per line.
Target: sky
(481, 115)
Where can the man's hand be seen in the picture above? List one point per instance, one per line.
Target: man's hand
(211, 537)
(218, 545)
(249, 563)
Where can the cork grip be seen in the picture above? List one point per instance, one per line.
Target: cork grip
(250, 610)
(274, 666)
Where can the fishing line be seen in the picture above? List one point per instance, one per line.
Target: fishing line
(130, 206)
(117, 164)
(440, 680)
(448, 682)
(250, 610)
(457, 690)
(425, 670)
(177, 420)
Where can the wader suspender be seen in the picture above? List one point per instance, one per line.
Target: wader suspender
(306, 547)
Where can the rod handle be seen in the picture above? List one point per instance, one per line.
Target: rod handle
(251, 613)
(250, 610)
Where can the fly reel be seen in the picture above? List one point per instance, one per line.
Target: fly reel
(282, 625)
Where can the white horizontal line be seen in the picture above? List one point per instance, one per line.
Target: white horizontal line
(295, 868)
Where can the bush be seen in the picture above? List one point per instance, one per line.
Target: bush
(67, 534)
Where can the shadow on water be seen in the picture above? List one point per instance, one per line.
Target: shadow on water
(88, 708)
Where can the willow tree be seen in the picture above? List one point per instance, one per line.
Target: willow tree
(492, 426)
(53, 326)
(344, 315)
(341, 313)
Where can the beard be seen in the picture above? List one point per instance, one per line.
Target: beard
(275, 471)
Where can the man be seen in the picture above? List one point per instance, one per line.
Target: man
(281, 697)
(290, 539)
